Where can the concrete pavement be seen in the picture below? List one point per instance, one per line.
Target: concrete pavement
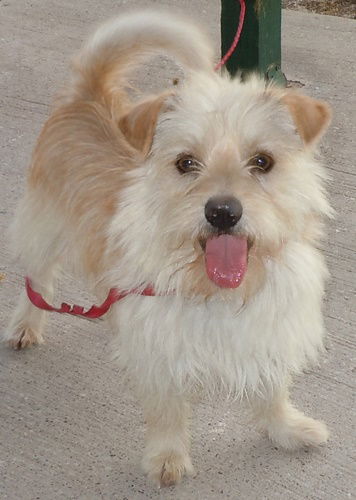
(68, 427)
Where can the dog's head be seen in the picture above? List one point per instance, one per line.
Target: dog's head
(227, 178)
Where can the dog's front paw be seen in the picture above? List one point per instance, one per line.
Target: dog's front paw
(298, 432)
(167, 469)
(22, 338)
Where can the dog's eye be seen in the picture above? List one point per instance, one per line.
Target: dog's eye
(262, 162)
(186, 164)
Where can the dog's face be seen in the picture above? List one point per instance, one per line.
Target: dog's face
(229, 179)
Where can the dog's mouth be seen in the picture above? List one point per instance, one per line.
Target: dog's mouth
(226, 257)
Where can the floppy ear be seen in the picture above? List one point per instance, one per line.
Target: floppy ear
(311, 117)
(139, 124)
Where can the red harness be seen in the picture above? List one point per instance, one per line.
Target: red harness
(94, 312)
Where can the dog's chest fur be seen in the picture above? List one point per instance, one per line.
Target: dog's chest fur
(181, 344)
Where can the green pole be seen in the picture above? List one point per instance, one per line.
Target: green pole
(259, 48)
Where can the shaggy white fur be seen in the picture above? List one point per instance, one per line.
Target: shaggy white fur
(106, 198)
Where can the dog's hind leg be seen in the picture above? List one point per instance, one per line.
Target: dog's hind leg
(27, 322)
(38, 242)
(166, 458)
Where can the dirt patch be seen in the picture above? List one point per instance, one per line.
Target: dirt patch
(342, 8)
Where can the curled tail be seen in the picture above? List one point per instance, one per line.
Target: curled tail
(119, 45)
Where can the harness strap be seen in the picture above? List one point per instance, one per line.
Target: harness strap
(94, 312)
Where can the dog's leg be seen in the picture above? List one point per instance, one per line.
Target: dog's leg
(166, 458)
(27, 321)
(285, 425)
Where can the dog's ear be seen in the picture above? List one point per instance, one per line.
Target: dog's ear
(139, 124)
(311, 116)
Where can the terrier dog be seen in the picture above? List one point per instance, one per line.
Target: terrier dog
(211, 194)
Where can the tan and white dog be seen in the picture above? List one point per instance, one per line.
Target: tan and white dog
(210, 193)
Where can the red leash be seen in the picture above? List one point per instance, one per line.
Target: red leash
(237, 36)
(114, 294)
(94, 312)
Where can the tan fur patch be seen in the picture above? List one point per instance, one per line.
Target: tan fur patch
(138, 125)
(311, 116)
(81, 161)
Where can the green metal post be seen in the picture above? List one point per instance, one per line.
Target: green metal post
(259, 48)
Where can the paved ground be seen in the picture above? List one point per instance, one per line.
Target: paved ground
(69, 429)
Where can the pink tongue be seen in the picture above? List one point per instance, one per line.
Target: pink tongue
(226, 260)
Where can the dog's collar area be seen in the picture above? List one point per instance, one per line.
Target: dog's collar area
(94, 312)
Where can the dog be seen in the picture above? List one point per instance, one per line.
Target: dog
(211, 193)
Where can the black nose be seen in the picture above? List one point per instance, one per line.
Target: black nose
(223, 212)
